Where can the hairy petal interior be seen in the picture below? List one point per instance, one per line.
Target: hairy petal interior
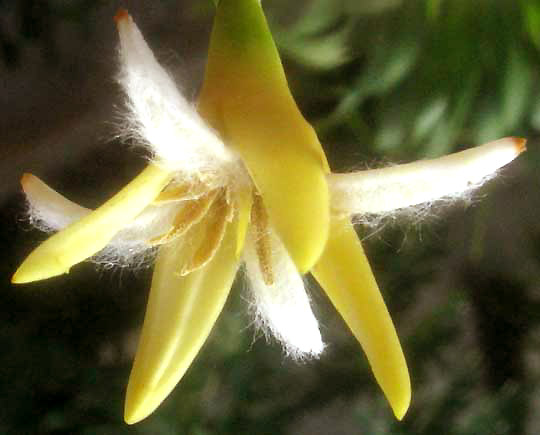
(282, 308)
(49, 210)
(386, 189)
(169, 125)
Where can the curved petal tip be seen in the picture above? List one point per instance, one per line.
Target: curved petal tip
(26, 178)
(37, 267)
(401, 404)
(137, 410)
(520, 144)
(121, 14)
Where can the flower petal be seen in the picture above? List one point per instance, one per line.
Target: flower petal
(387, 189)
(180, 314)
(168, 123)
(50, 209)
(93, 232)
(344, 273)
(283, 307)
(245, 96)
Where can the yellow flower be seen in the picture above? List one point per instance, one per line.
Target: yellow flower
(240, 179)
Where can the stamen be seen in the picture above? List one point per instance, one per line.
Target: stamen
(182, 191)
(190, 214)
(263, 246)
(215, 226)
(176, 193)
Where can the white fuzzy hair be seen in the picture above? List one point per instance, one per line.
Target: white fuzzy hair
(282, 309)
(163, 120)
(385, 190)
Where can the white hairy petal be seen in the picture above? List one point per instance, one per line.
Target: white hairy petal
(50, 211)
(166, 122)
(386, 189)
(283, 308)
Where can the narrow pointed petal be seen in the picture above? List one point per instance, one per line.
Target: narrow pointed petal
(282, 308)
(90, 234)
(245, 97)
(180, 314)
(51, 211)
(387, 189)
(169, 124)
(344, 273)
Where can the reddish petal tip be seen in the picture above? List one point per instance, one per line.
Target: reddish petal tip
(520, 144)
(26, 178)
(121, 14)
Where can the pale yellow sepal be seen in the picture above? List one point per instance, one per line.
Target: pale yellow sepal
(180, 314)
(344, 273)
(246, 98)
(90, 234)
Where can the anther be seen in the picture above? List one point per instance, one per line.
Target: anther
(263, 246)
(191, 213)
(215, 225)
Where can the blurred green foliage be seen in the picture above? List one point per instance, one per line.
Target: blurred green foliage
(420, 76)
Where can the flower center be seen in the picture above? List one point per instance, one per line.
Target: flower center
(201, 222)
(202, 219)
(191, 213)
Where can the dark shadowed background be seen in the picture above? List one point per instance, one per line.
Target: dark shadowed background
(382, 81)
